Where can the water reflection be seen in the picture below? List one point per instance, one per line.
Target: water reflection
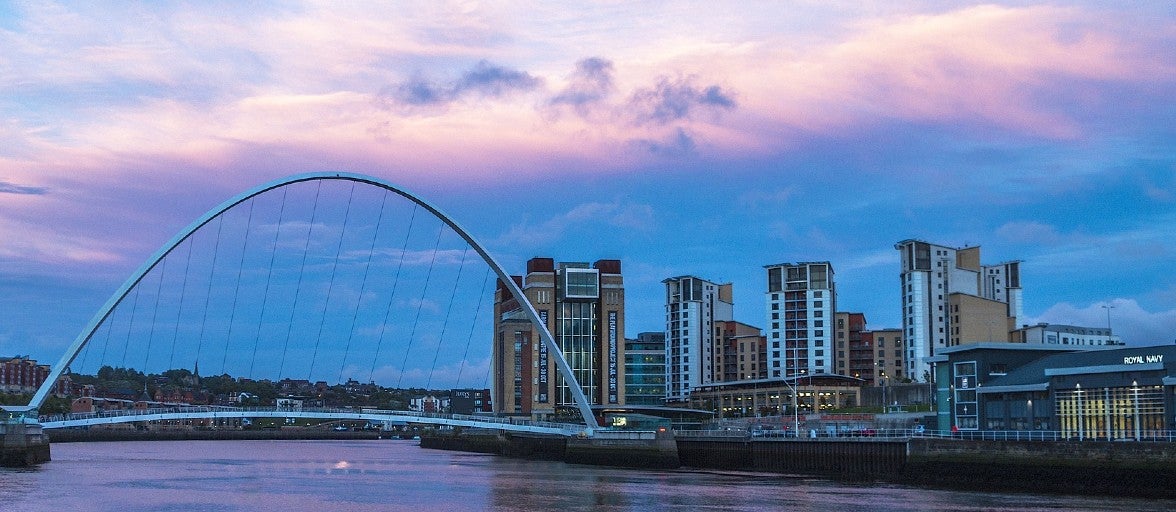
(342, 476)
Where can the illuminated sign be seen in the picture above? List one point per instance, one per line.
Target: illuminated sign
(543, 362)
(612, 357)
(1154, 358)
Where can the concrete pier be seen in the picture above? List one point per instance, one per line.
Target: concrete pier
(23, 443)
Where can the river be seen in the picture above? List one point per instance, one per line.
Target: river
(344, 476)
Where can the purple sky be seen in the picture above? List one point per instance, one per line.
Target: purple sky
(681, 138)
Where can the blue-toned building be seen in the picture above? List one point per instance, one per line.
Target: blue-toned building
(1081, 392)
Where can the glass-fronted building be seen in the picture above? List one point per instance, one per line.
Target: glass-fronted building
(1079, 392)
(645, 369)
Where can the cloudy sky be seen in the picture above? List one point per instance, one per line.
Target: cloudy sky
(679, 137)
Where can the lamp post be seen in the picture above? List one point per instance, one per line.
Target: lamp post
(1029, 415)
(1081, 417)
(1135, 402)
(1108, 307)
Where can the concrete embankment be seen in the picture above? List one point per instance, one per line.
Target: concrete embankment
(93, 435)
(22, 445)
(1141, 469)
(647, 450)
(1127, 468)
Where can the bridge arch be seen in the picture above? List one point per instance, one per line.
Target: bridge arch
(91, 328)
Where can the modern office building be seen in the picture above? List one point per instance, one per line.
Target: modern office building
(801, 299)
(693, 306)
(1058, 334)
(584, 308)
(930, 275)
(645, 369)
(1079, 392)
(742, 354)
(775, 396)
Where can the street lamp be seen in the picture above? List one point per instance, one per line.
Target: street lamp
(1081, 416)
(1135, 392)
(1108, 307)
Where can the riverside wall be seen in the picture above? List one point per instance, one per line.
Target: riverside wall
(646, 452)
(1142, 469)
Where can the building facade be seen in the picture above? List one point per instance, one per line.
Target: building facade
(855, 353)
(583, 307)
(1074, 391)
(742, 354)
(645, 369)
(801, 299)
(930, 274)
(22, 375)
(1058, 334)
(693, 306)
(888, 351)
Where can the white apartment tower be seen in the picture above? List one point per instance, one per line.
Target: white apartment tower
(930, 273)
(693, 306)
(801, 301)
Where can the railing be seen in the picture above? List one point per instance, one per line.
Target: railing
(377, 414)
(1162, 436)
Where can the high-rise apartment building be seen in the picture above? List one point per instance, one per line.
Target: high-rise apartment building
(801, 299)
(583, 307)
(693, 305)
(645, 369)
(930, 274)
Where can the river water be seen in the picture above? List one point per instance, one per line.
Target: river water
(344, 476)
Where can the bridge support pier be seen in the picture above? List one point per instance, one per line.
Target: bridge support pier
(22, 441)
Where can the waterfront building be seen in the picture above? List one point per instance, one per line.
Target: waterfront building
(930, 275)
(693, 306)
(801, 299)
(1081, 392)
(888, 351)
(469, 401)
(855, 353)
(22, 375)
(583, 307)
(775, 396)
(645, 369)
(1059, 334)
(742, 354)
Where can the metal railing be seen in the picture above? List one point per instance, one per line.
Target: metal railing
(1162, 436)
(358, 413)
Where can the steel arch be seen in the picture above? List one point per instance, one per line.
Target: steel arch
(87, 333)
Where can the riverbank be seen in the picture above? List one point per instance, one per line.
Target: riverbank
(1137, 469)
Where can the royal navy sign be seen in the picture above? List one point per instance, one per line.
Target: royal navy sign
(1152, 358)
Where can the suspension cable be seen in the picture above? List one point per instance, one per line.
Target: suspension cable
(392, 294)
(268, 274)
(473, 327)
(237, 286)
(220, 224)
(331, 284)
(420, 306)
(180, 309)
(445, 323)
(301, 271)
(363, 285)
(130, 327)
(155, 314)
